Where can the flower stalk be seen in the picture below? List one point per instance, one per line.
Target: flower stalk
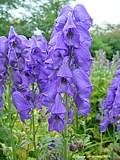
(9, 91)
(66, 152)
(114, 141)
(33, 121)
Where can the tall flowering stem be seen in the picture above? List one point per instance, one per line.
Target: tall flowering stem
(66, 151)
(9, 91)
(33, 121)
(114, 141)
(68, 69)
(22, 64)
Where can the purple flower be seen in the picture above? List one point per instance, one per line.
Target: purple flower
(58, 107)
(112, 104)
(104, 124)
(68, 64)
(3, 46)
(22, 105)
(64, 70)
(71, 34)
(82, 82)
(83, 105)
(82, 17)
(3, 71)
(56, 122)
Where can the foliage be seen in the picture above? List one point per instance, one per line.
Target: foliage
(106, 38)
(35, 16)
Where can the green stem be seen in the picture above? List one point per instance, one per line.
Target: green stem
(66, 154)
(101, 142)
(76, 115)
(33, 129)
(76, 119)
(114, 141)
(33, 121)
(11, 121)
(85, 125)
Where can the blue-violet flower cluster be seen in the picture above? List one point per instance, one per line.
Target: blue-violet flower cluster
(68, 64)
(112, 104)
(50, 74)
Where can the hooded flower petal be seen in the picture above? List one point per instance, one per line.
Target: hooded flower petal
(83, 58)
(71, 34)
(22, 106)
(82, 83)
(83, 106)
(56, 122)
(58, 107)
(82, 17)
(3, 45)
(64, 70)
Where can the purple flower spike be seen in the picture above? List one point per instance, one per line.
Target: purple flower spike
(112, 104)
(68, 65)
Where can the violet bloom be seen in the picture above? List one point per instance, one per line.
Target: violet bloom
(112, 104)
(26, 60)
(68, 64)
(3, 71)
(56, 122)
(16, 46)
(22, 106)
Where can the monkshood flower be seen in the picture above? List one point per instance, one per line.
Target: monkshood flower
(16, 46)
(26, 70)
(3, 71)
(68, 66)
(35, 58)
(112, 104)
